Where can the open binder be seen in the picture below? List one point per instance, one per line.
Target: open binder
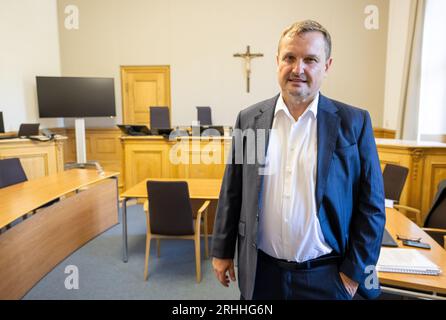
(405, 261)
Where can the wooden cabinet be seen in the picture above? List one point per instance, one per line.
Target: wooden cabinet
(157, 157)
(37, 158)
(427, 167)
(384, 133)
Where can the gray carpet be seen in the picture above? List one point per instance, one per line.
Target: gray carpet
(103, 275)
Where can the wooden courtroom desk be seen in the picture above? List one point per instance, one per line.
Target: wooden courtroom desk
(427, 167)
(38, 158)
(199, 189)
(396, 223)
(33, 247)
(413, 284)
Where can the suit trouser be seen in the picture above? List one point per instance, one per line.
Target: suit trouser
(273, 281)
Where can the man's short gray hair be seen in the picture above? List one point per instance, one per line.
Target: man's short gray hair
(301, 27)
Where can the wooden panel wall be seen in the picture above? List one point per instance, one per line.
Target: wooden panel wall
(103, 145)
(427, 167)
(37, 158)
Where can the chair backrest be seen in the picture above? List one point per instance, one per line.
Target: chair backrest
(394, 177)
(2, 126)
(11, 172)
(436, 218)
(170, 211)
(159, 118)
(204, 116)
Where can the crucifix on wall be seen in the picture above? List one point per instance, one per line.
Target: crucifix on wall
(248, 56)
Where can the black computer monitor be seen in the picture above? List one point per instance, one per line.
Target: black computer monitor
(28, 129)
(75, 97)
(2, 125)
(134, 130)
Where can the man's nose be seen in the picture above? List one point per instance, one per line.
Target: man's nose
(298, 67)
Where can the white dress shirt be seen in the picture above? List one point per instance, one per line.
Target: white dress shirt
(288, 225)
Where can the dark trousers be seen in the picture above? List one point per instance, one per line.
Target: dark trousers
(275, 282)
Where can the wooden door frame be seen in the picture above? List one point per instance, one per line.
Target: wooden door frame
(144, 68)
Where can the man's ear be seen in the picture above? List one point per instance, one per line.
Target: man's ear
(328, 64)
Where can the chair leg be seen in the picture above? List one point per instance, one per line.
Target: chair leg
(158, 247)
(197, 256)
(146, 264)
(206, 238)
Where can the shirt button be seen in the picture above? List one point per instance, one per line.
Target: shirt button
(254, 245)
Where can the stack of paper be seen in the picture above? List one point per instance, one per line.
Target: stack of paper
(405, 261)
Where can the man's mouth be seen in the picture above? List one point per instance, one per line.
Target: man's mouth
(297, 80)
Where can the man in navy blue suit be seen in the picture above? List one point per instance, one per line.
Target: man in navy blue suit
(308, 221)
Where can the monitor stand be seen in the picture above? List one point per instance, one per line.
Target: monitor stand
(81, 150)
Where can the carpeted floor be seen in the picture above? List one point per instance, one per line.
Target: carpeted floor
(103, 275)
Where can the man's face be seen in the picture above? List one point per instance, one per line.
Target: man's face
(302, 65)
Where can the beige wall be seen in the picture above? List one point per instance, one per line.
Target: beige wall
(29, 47)
(397, 48)
(197, 38)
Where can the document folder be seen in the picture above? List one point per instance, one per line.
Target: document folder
(405, 261)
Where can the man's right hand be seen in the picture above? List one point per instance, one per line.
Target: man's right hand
(221, 266)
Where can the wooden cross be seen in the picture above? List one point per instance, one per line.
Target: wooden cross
(248, 56)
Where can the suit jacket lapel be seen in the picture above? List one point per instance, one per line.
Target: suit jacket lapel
(327, 133)
(264, 121)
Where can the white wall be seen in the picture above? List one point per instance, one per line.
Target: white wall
(29, 47)
(433, 78)
(197, 38)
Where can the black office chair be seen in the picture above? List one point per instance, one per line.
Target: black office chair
(11, 172)
(159, 118)
(204, 116)
(173, 219)
(435, 223)
(394, 177)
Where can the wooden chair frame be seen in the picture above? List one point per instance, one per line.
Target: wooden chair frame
(201, 213)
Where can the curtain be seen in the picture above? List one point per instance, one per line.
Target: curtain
(412, 74)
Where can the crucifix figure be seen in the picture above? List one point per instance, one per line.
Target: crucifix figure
(248, 56)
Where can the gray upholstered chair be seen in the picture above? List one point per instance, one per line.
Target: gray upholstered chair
(169, 216)
(204, 116)
(159, 118)
(435, 223)
(11, 172)
(395, 177)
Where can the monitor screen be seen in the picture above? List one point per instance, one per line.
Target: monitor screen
(2, 126)
(69, 97)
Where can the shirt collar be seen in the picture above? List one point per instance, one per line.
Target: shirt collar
(280, 105)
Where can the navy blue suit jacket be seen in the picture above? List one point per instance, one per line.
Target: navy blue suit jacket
(349, 193)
